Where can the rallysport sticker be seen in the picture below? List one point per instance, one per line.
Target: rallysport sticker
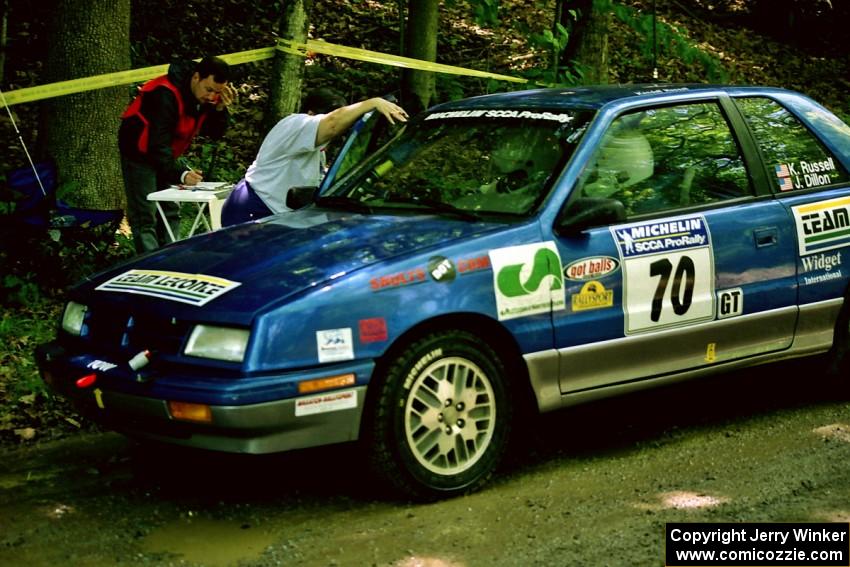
(194, 289)
(527, 280)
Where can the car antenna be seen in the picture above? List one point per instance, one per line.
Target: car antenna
(26, 151)
(654, 44)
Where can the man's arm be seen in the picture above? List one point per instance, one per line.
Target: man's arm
(160, 108)
(341, 119)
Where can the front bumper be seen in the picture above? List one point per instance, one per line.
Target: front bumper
(240, 423)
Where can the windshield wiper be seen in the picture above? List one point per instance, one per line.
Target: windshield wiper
(346, 203)
(434, 205)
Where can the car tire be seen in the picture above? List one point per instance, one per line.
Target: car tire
(442, 418)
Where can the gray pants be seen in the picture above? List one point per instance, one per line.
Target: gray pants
(148, 231)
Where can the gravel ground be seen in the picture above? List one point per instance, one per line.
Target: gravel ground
(595, 486)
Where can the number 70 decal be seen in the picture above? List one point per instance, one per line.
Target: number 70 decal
(668, 273)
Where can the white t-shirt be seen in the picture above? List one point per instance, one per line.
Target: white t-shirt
(288, 157)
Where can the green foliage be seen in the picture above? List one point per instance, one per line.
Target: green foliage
(669, 41)
(486, 12)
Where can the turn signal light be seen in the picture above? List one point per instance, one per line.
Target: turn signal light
(190, 412)
(320, 384)
(86, 380)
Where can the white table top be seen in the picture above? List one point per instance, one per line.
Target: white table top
(205, 191)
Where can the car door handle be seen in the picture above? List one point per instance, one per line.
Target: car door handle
(766, 236)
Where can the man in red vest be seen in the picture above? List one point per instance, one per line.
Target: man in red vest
(158, 127)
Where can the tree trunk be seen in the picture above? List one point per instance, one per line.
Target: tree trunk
(288, 70)
(88, 37)
(4, 22)
(419, 86)
(587, 48)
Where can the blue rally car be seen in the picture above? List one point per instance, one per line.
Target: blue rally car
(511, 252)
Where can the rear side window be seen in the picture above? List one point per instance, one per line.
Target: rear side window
(796, 159)
(667, 158)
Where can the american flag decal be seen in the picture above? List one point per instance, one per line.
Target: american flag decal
(782, 171)
(785, 184)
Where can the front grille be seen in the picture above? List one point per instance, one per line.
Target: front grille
(132, 332)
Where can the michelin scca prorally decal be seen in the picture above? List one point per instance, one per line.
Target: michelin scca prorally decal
(668, 273)
(822, 226)
(194, 289)
(527, 280)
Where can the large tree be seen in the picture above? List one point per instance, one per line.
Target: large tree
(418, 87)
(88, 37)
(586, 54)
(288, 73)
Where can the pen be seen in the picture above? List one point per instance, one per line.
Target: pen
(186, 165)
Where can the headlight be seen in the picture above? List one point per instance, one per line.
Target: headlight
(220, 343)
(72, 319)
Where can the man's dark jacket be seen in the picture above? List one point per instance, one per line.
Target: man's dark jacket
(160, 108)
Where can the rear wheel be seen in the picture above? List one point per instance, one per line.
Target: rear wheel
(442, 418)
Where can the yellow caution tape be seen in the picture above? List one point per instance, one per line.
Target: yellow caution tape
(119, 78)
(326, 48)
(73, 86)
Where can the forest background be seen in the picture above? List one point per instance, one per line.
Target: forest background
(797, 44)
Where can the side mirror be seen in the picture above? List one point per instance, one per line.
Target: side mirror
(300, 197)
(587, 212)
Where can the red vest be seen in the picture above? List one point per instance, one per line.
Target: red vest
(187, 126)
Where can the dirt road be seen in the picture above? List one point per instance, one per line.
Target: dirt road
(596, 487)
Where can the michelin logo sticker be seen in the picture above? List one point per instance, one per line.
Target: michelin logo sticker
(527, 280)
(666, 236)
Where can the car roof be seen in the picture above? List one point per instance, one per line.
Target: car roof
(595, 97)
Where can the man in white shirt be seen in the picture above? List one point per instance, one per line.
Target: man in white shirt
(291, 154)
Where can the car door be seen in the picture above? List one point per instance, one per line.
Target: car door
(814, 185)
(701, 272)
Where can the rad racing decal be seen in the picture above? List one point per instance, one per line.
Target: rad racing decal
(527, 280)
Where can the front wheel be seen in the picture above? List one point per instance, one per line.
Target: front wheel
(442, 418)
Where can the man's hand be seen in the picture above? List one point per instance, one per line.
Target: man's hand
(390, 110)
(227, 97)
(193, 177)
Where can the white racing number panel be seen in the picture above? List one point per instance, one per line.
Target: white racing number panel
(668, 273)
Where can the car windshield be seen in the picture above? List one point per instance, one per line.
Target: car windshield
(466, 163)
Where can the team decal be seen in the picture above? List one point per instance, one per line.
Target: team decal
(373, 330)
(527, 114)
(334, 344)
(593, 295)
(823, 225)
(668, 273)
(527, 280)
(323, 403)
(194, 289)
(730, 303)
(804, 174)
(591, 268)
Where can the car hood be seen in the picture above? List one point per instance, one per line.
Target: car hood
(276, 258)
